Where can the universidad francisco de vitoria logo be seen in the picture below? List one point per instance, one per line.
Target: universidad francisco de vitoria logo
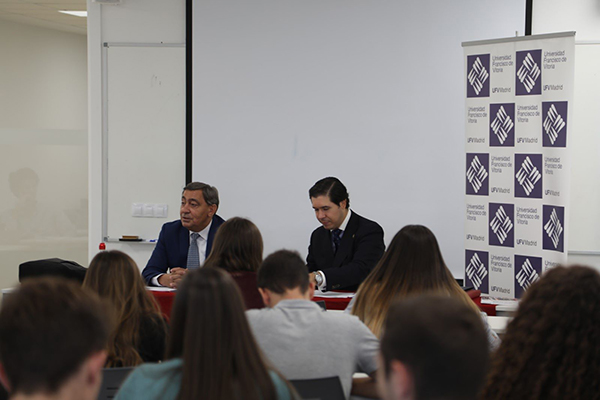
(528, 176)
(478, 75)
(476, 270)
(501, 225)
(477, 174)
(529, 73)
(502, 125)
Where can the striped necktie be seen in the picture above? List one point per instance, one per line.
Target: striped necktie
(336, 237)
(193, 258)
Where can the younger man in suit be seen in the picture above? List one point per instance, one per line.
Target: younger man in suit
(53, 336)
(302, 340)
(185, 243)
(433, 347)
(347, 246)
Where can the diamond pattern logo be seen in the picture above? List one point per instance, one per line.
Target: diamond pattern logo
(528, 176)
(477, 174)
(502, 124)
(478, 75)
(529, 73)
(502, 224)
(527, 271)
(555, 124)
(476, 270)
(553, 228)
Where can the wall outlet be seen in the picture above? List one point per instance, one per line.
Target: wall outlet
(136, 209)
(160, 210)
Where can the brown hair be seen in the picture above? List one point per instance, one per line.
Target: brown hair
(441, 342)
(238, 246)
(412, 264)
(551, 349)
(282, 271)
(209, 331)
(48, 328)
(116, 277)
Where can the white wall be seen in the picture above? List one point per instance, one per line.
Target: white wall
(288, 92)
(582, 16)
(134, 21)
(158, 21)
(43, 127)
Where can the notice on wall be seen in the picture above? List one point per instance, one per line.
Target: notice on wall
(518, 95)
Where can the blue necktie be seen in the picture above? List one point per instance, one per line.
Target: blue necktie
(336, 237)
(193, 258)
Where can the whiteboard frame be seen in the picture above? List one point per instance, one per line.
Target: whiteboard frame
(105, 47)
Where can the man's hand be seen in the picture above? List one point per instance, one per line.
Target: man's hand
(173, 278)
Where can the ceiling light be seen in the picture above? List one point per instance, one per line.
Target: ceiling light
(75, 13)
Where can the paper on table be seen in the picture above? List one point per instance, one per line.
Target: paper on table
(500, 302)
(160, 289)
(334, 295)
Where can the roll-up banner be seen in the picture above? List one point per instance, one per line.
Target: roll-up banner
(519, 94)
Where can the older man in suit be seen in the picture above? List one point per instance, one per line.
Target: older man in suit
(185, 243)
(347, 246)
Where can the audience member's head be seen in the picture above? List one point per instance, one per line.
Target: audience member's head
(238, 246)
(411, 265)
(551, 349)
(52, 339)
(209, 331)
(283, 274)
(433, 348)
(115, 277)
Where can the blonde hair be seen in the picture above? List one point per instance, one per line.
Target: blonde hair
(412, 265)
(116, 278)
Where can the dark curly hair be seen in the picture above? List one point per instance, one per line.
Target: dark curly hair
(551, 349)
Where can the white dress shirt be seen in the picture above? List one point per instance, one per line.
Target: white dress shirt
(342, 228)
(202, 241)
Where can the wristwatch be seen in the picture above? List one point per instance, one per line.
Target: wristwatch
(319, 278)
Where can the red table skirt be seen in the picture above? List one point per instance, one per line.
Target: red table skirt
(165, 302)
(334, 304)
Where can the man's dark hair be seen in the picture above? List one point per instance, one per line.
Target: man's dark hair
(443, 344)
(332, 188)
(210, 193)
(48, 327)
(281, 271)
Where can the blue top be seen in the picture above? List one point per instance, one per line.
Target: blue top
(163, 381)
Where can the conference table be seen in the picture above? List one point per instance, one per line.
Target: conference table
(333, 300)
(165, 298)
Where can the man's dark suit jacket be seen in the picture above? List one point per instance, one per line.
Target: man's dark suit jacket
(358, 253)
(172, 248)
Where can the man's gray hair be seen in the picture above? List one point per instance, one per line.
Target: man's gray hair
(210, 193)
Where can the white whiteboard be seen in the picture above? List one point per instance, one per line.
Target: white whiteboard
(144, 144)
(288, 92)
(585, 146)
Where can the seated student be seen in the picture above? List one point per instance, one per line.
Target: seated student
(140, 333)
(551, 349)
(238, 249)
(412, 265)
(302, 340)
(52, 339)
(433, 347)
(212, 353)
